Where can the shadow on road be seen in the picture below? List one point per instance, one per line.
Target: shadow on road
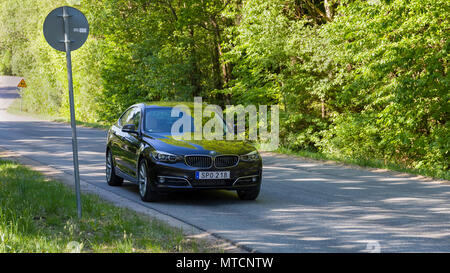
(8, 93)
(303, 206)
(194, 197)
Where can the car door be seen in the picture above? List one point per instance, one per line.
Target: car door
(131, 143)
(118, 144)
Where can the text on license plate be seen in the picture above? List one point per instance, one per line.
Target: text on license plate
(212, 175)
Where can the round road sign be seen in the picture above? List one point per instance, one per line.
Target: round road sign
(54, 28)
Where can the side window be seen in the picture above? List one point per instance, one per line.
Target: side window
(136, 117)
(124, 119)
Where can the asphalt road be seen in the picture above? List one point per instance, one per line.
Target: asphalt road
(304, 206)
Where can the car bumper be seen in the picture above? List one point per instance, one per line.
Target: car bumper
(179, 176)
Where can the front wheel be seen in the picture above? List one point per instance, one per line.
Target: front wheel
(145, 191)
(249, 194)
(111, 178)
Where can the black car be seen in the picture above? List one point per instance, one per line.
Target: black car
(140, 148)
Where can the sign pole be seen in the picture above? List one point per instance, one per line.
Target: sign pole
(20, 93)
(20, 88)
(67, 35)
(72, 110)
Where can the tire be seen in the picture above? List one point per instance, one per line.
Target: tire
(249, 194)
(145, 191)
(111, 178)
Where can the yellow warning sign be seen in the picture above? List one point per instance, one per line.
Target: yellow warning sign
(22, 83)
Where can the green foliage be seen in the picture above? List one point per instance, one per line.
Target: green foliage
(5, 63)
(156, 50)
(396, 88)
(372, 83)
(362, 79)
(43, 67)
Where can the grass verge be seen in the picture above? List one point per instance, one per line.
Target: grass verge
(364, 162)
(39, 215)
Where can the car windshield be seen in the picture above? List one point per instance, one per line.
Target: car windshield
(161, 120)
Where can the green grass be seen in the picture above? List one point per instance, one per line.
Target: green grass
(39, 215)
(366, 162)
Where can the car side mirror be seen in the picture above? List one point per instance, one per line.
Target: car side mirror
(129, 128)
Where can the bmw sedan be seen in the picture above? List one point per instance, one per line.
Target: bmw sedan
(141, 148)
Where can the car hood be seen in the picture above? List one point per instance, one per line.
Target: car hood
(166, 143)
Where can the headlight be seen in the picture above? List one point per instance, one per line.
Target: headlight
(165, 157)
(253, 156)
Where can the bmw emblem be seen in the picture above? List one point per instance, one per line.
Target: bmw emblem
(212, 152)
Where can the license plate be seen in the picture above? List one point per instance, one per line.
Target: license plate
(212, 175)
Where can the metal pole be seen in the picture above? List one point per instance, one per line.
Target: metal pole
(19, 90)
(72, 110)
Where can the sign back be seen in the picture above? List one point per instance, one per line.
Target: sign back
(54, 28)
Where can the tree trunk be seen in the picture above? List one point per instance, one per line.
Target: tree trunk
(225, 69)
(323, 108)
(222, 70)
(194, 76)
(218, 84)
(328, 9)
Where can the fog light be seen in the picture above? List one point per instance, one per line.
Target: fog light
(161, 179)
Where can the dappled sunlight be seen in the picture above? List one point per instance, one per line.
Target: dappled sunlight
(440, 210)
(352, 188)
(309, 179)
(390, 209)
(412, 200)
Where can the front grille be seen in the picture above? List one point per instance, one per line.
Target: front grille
(226, 161)
(199, 161)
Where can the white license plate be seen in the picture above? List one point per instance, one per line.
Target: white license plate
(212, 175)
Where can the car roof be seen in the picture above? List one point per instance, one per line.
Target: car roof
(166, 104)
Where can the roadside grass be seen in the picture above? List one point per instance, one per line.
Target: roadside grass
(365, 162)
(39, 215)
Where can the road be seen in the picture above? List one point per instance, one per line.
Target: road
(304, 206)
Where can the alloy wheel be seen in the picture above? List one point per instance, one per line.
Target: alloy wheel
(108, 166)
(142, 179)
